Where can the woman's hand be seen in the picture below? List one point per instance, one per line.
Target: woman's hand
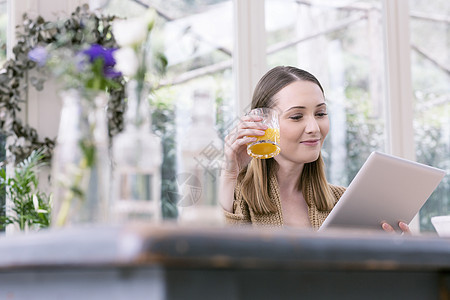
(403, 226)
(235, 148)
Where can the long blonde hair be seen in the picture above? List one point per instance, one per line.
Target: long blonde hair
(255, 177)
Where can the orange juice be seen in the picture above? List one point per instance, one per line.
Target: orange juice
(265, 146)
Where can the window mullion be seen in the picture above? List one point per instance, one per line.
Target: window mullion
(249, 55)
(399, 87)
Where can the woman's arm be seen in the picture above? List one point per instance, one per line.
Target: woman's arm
(226, 191)
(236, 157)
(237, 211)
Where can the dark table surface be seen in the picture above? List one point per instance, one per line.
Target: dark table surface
(273, 257)
(222, 247)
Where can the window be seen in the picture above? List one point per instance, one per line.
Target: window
(342, 45)
(430, 68)
(196, 36)
(341, 42)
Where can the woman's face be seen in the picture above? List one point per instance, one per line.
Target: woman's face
(304, 121)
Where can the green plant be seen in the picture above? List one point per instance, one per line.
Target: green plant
(30, 208)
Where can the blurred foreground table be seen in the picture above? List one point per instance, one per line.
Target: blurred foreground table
(170, 262)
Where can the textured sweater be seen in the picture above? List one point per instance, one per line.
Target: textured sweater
(244, 215)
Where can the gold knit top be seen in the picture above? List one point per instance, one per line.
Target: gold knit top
(243, 214)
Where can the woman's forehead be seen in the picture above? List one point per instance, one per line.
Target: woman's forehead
(299, 93)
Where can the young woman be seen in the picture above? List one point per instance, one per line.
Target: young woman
(290, 189)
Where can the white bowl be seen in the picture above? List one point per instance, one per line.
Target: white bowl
(442, 225)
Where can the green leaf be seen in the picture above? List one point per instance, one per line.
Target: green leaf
(20, 189)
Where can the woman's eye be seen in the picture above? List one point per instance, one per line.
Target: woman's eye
(321, 114)
(296, 117)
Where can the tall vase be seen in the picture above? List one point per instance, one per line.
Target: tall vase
(81, 163)
(201, 157)
(137, 158)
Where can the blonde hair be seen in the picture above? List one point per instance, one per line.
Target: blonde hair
(255, 177)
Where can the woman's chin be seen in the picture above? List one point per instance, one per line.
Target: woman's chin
(309, 155)
(303, 157)
(313, 158)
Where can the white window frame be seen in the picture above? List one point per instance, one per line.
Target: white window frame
(249, 54)
(398, 74)
(399, 116)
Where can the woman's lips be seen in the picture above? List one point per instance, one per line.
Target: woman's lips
(313, 142)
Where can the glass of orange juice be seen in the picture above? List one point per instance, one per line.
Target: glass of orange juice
(268, 145)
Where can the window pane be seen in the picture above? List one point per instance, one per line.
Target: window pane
(342, 45)
(430, 66)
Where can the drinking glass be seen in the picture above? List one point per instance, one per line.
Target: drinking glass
(268, 145)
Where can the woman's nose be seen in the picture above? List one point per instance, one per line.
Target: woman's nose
(312, 126)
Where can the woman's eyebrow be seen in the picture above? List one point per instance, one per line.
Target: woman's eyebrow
(303, 107)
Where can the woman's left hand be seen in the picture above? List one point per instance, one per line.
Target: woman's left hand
(403, 226)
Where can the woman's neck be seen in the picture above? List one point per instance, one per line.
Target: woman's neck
(288, 176)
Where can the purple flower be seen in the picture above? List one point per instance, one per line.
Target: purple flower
(98, 52)
(39, 55)
(111, 73)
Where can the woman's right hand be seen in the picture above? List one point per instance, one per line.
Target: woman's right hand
(235, 148)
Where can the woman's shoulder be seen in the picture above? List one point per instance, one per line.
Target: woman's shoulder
(336, 190)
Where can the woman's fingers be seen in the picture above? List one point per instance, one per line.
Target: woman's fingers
(386, 227)
(251, 122)
(403, 226)
(252, 125)
(235, 146)
(243, 133)
(236, 141)
(242, 141)
(252, 118)
(248, 126)
(250, 132)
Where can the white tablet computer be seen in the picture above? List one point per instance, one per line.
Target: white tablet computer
(386, 188)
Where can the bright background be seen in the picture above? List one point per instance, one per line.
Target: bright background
(382, 96)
